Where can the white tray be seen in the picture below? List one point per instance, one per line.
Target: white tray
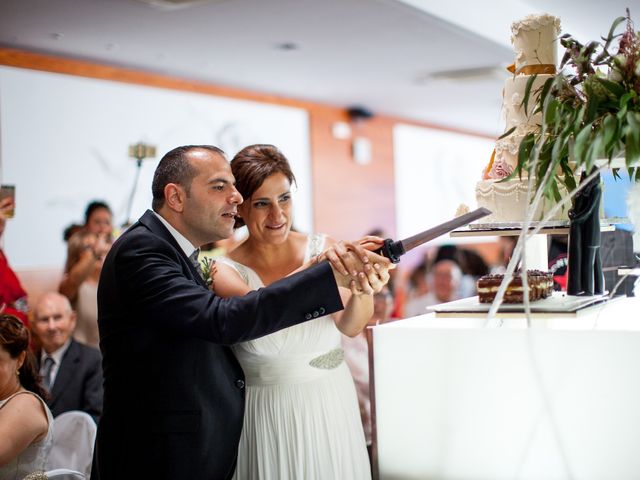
(558, 302)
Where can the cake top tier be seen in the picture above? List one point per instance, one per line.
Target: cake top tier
(534, 41)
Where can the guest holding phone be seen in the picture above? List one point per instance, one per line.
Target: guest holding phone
(12, 295)
(85, 256)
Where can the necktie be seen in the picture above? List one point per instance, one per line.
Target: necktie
(196, 264)
(46, 372)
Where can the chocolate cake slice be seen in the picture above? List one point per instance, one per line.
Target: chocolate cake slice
(540, 286)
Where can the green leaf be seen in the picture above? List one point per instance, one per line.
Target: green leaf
(616, 174)
(609, 129)
(577, 125)
(593, 152)
(612, 30)
(558, 149)
(524, 151)
(622, 113)
(507, 133)
(632, 149)
(556, 191)
(546, 88)
(569, 178)
(581, 144)
(550, 113)
(592, 104)
(527, 93)
(626, 98)
(615, 88)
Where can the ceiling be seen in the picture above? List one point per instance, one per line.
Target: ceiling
(385, 55)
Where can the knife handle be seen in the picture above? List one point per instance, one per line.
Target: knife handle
(392, 250)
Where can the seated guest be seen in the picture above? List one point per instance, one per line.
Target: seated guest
(85, 256)
(26, 424)
(473, 267)
(70, 370)
(444, 283)
(12, 295)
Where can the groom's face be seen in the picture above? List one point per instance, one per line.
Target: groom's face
(211, 202)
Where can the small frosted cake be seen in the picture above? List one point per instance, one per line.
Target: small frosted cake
(540, 286)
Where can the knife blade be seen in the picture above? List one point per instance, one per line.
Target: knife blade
(393, 250)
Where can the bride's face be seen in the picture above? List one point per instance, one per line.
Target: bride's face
(268, 213)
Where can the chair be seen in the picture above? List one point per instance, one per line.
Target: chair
(64, 474)
(74, 435)
(57, 474)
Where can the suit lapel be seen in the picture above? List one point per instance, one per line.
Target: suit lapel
(151, 221)
(67, 368)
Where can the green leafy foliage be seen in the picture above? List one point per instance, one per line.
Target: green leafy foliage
(590, 111)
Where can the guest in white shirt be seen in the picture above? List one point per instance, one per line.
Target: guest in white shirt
(444, 286)
(71, 371)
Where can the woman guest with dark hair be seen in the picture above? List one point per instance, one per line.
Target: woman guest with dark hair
(85, 256)
(301, 417)
(26, 424)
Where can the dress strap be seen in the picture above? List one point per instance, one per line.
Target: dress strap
(4, 402)
(315, 245)
(242, 270)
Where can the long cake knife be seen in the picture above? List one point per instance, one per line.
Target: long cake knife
(393, 250)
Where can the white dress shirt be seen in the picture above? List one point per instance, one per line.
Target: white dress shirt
(186, 246)
(57, 359)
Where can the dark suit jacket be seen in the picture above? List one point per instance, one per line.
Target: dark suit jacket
(78, 384)
(174, 391)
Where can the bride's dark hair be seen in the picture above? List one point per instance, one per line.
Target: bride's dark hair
(14, 338)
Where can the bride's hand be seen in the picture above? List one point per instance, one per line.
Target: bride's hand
(370, 242)
(371, 281)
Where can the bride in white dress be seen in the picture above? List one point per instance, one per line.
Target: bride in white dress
(26, 424)
(302, 418)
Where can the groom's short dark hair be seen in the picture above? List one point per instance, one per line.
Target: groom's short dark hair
(175, 167)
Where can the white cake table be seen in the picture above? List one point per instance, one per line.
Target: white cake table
(454, 400)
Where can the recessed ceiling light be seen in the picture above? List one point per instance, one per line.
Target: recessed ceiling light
(287, 46)
(177, 4)
(463, 74)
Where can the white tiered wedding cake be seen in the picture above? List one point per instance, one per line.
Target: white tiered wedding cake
(534, 40)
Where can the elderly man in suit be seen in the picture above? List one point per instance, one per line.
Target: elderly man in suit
(174, 392)
(70, 370)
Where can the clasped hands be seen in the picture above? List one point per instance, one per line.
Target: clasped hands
(356, 266)
(98, 245)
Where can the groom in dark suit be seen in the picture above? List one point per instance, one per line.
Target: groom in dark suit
(174, 392)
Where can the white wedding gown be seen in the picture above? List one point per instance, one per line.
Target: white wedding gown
(302, 419)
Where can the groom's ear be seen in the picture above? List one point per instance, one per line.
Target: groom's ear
(174, 197)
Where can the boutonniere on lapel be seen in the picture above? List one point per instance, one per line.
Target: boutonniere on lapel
(208, 270)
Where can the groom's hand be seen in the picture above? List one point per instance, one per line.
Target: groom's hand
(351, 262)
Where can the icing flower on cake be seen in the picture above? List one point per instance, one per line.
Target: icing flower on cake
(500, 170)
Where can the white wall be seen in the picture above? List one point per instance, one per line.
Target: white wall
(435, 172)
(64, 142)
